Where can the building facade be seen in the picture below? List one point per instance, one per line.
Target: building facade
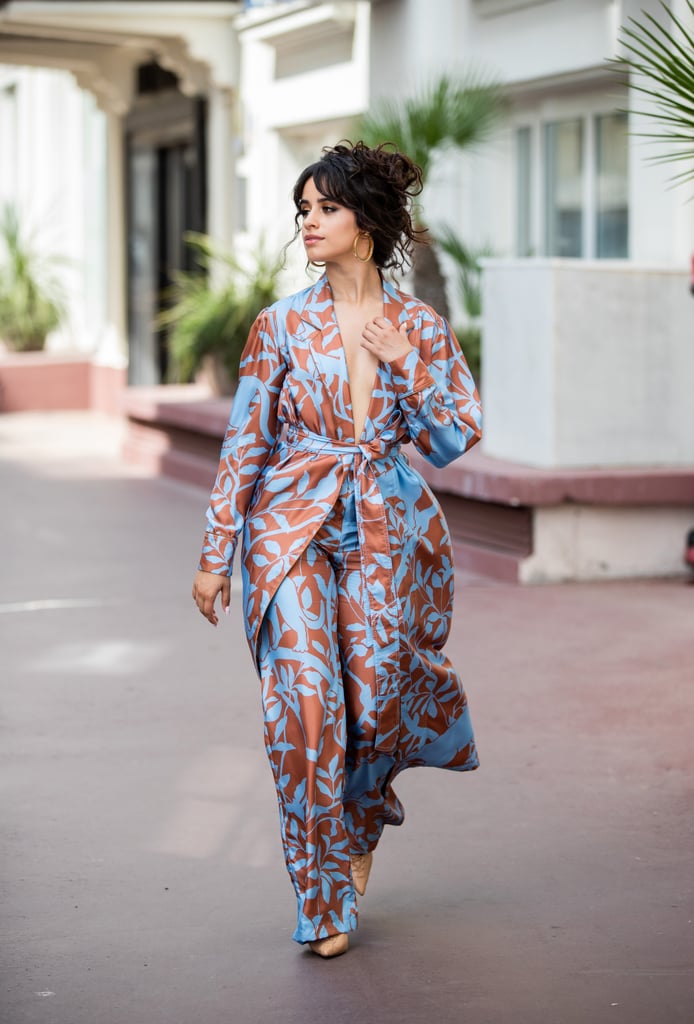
(158, 117)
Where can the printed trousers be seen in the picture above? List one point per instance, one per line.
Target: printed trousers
(319, 699)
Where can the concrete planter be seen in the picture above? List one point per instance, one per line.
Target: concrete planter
(588, 364)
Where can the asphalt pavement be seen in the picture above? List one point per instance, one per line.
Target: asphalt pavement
(143, 880)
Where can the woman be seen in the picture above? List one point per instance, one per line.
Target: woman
(346, 564)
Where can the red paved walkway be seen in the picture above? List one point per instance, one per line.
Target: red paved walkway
(141, 847)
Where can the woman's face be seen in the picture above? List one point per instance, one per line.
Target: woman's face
(328, 229)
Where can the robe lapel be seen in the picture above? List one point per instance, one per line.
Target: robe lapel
(381, 397)
(319, 330)
(320, 334)
(394, 308)
(318, 317)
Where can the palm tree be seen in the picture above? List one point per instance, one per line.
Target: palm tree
(661, 59)
(449, 114)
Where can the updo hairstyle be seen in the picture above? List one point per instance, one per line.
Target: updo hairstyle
(378, 185)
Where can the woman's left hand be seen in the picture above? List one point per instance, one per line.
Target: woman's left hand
(384, 340)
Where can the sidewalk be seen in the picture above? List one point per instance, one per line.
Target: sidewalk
(145, 882)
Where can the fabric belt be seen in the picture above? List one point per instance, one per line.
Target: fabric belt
(382, 607)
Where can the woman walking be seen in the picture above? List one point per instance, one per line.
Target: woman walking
(346, 558)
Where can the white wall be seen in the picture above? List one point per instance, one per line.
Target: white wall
(287, 120)
(516, 44)
(411, 41)
(544, 39)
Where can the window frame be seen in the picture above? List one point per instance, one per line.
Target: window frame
(587, 109)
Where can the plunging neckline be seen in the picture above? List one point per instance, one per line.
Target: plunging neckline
(374, 382)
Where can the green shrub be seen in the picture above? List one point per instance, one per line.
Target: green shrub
(213, 307)
(470, 338)
(32, 301)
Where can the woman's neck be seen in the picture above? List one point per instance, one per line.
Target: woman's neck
(354, 284)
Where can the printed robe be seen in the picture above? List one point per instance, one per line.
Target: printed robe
(288, 459)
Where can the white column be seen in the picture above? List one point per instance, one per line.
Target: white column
(114, 346)
(221, 178)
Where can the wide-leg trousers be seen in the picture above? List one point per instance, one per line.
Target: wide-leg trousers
(319, 700)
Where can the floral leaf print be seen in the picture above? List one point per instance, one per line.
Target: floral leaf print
(347, 637)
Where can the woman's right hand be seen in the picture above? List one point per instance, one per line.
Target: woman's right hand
(206, 587)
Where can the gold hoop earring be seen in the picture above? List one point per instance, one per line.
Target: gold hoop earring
(355, 246)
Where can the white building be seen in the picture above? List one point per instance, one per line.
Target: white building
(202, 114)
(126, 142)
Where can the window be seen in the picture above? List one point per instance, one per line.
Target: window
(563, 156)
(612, 199)
(572, 187)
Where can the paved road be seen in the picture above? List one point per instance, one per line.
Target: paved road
(144, 880)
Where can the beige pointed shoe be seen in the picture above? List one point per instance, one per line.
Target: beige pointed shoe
(334, 945)
(361, 868)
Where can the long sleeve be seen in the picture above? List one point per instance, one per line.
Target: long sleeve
(437, 394)
(248, 441)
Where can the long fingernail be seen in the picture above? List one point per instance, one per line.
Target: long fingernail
(227, 610)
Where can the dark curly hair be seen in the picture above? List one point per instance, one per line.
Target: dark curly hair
(378, 185)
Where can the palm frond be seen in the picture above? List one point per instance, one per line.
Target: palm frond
(660, 59)
(469, 271)
(652, 41)
(448, 113)
(212, 307)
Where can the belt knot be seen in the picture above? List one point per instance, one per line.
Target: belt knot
(308, 440)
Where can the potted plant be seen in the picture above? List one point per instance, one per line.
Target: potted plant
(32, 302)
(212, 309)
